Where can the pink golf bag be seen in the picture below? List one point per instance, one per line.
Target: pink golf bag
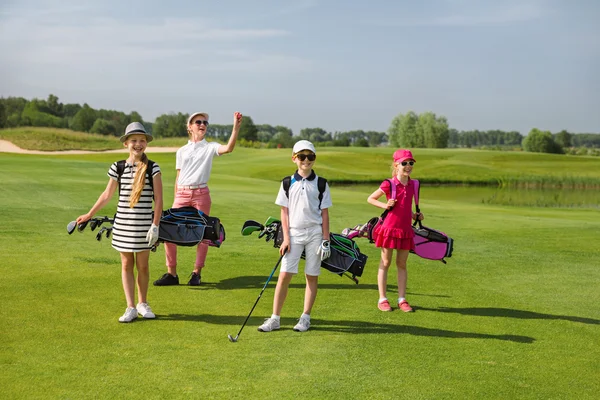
(430, 244)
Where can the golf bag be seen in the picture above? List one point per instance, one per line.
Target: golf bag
(186, 226)
(430, 244)
(345, 257)
(365, 230)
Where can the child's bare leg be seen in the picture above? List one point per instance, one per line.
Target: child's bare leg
(401, 258)
(127, 262)
(384, 265)
(310, 294)
(143, 277)
(281, 290)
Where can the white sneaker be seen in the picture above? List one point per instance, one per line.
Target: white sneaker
(144, 310)
(302, 325)
(130, 314)
(270, 324)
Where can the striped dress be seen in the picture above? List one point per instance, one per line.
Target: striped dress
(132, 224)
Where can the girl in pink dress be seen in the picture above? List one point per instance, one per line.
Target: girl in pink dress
(396, 230)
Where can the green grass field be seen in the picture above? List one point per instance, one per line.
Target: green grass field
(514, 314)
(358, 164)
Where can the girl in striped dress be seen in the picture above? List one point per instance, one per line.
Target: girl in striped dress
(135, 229)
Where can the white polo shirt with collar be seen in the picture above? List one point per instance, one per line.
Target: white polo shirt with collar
(303, 203)
(194, 160)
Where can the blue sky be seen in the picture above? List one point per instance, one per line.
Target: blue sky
(338, 65)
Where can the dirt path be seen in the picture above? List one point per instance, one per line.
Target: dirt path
(8, 147)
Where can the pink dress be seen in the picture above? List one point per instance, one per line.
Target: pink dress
(396, 231)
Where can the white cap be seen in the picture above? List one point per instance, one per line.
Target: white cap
(194, 115)
(303, 145)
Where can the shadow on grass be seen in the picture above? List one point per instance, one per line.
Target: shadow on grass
(257, 282)
(354, 327)
(509, 313)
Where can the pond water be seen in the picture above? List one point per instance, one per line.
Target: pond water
(567, 198)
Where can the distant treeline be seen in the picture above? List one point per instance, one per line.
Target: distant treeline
(426, 130)
(500, 138)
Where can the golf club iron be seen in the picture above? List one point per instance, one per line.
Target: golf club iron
(104, 230)
(82, 226)
(235, 339)
(96, 222)
(71, 227)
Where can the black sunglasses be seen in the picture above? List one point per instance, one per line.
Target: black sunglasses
(200, 122)
(302, 157)
(404, 163)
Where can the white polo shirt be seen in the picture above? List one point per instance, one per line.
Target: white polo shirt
(303, 204)
(194, 160)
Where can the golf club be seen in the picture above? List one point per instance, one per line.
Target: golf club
(251, 226)
(101, 231)
(82, 226)
(235, 339)
(96, 222)
(71, 227)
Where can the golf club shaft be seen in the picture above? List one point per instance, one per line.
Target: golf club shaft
(261, 293)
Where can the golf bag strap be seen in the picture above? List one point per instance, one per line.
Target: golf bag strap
(321, 185)
(417, 188)
(392, 196)
(121, 170)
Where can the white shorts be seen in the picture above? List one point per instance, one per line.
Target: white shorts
(306, 240)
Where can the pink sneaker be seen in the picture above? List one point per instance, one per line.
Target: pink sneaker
(384, 306)
(404, 306)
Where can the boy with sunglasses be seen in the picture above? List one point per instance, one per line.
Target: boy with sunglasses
(396, 230)
(193, 164)
(305, 226)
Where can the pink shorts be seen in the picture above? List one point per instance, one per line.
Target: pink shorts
(388, 242)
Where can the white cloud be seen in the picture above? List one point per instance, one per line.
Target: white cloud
(467, 13)
(41, 40)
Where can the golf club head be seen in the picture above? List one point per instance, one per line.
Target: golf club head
(82, 226)
(100, 232)
(108, 232)
(270, 220)
(94, 223)
(251, 226)
(71, 227)
(232, 339)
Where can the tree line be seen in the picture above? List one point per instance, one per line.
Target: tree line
(431, 131)
(411, 130)
(18, 111)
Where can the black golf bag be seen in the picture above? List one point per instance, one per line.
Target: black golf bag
(186, 226)
(345, 257)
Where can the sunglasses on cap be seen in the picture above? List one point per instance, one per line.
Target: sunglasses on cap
(200, 122)
(404, 163)
(302, 157)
